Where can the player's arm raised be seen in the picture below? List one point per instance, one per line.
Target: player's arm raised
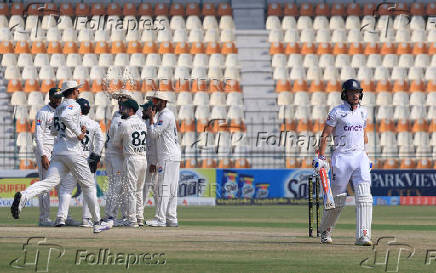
(156, 129)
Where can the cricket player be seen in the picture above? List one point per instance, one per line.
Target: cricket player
(67, 157)
(151, 177)
(92, 146)
(347, 124)
(164, 131)
(44, 140)
(130, 137)
(114, 168)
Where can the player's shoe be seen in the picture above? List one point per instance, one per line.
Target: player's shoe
(155, 223)
(45, 223)
(109, 222)
(86, 222)
(141, 222)
(363, 241)
(132, 224)
(326, 237)
(101, 226)
(172, 224)
(60, 222)
(72, 223)
(120, 222)
(16, 208)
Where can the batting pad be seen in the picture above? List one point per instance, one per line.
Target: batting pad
(329, 217)
(363, 210)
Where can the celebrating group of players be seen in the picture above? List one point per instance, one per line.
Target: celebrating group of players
(142, 154)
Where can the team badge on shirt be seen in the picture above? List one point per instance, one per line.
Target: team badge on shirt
(159, 122)
(159, 170)
(38, 122)
(70, 107)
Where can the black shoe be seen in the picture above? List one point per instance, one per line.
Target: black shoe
(15, 208)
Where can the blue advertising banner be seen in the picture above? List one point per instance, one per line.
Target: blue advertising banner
(411, 182)
(261, 186)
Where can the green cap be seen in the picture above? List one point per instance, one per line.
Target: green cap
(132, 104)
(146, 105)
(54, 92)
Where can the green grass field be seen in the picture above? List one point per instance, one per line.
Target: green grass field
(227, 239)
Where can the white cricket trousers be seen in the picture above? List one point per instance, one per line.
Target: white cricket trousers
(115, 197)
(60, 166)
(150, 184)
(167, 184)
(44, 199)
(66, 188)
(135, 171)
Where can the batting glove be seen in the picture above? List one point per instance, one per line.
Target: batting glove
(320, 162)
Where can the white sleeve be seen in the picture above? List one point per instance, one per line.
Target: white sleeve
(162, 123)
(67, 117)
(39, 132)
(98, 139)
(331, 118)
(117, 140)
(152, 152)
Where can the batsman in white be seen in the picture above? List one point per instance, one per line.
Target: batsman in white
(67, 157)
(44, 140)
(92, 146)
(347, 123)
(164, 131)
(151, 177)
(130, 138)
(114, 167)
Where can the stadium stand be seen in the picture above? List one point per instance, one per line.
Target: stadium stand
(235, 70)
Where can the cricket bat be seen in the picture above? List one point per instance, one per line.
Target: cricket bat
(329, 201)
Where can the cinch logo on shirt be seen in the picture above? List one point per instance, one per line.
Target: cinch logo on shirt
(70, 107)
(353, 128)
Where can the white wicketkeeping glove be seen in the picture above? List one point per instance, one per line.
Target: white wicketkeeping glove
(319, 162)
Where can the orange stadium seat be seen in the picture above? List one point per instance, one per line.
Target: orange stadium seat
(299, 85)
(165, 85)
(85, 84)
(22, 126)
(118, 47)
(390, 163)
(4, 9)
(190, 163)
(6, 47)
(387, 48)
(148, 85)
(383, 9)
(354, 9)
(340, 48)
(38, 47)
(431, 9)
(21, 47)
(213, 48)
(225, 163)
(46, 85)
(70, 48)
(54, 48)
(368, 85)
(306, 163)
(98, 9)
(229, 48)
(274, 9)
(133, 47)
(208, 9)
(308, 48)
(276, 48)
(431, 49)
(403, 48)
(66, 9)
(355, 48)
(407, 163)
(114, 9)
(333, 86)
(115, 85)
(149, 48)
(187, 125)
(424, 163)
(291, 163)
(208, 163)
(82, 9)
(224, 9)
(182, 85)
(17, 9)
(145, 9)
(337, 9)
(316, 86)
(290, 9)
(86, 48)
(27, 164)
(306, 9)
(322, 9)
(283, 86)
(215, 86)
(371, 48)
(197, 48)
(369, 9)
(324, 48)
(431, 86)
(199, 85)
(417, 9)
(166, 48)
(288, 126)
(161, 9)
(32, 9)
(421, 48)
(232, 86)
(383, 86)
(177, 9)
(14, 85)
(291, 48)
(31, 85)
(417, 86)
(193, 9)
(400, 86)
(129, 9)
(181, 48)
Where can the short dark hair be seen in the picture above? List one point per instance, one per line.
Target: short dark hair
(68, 92)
